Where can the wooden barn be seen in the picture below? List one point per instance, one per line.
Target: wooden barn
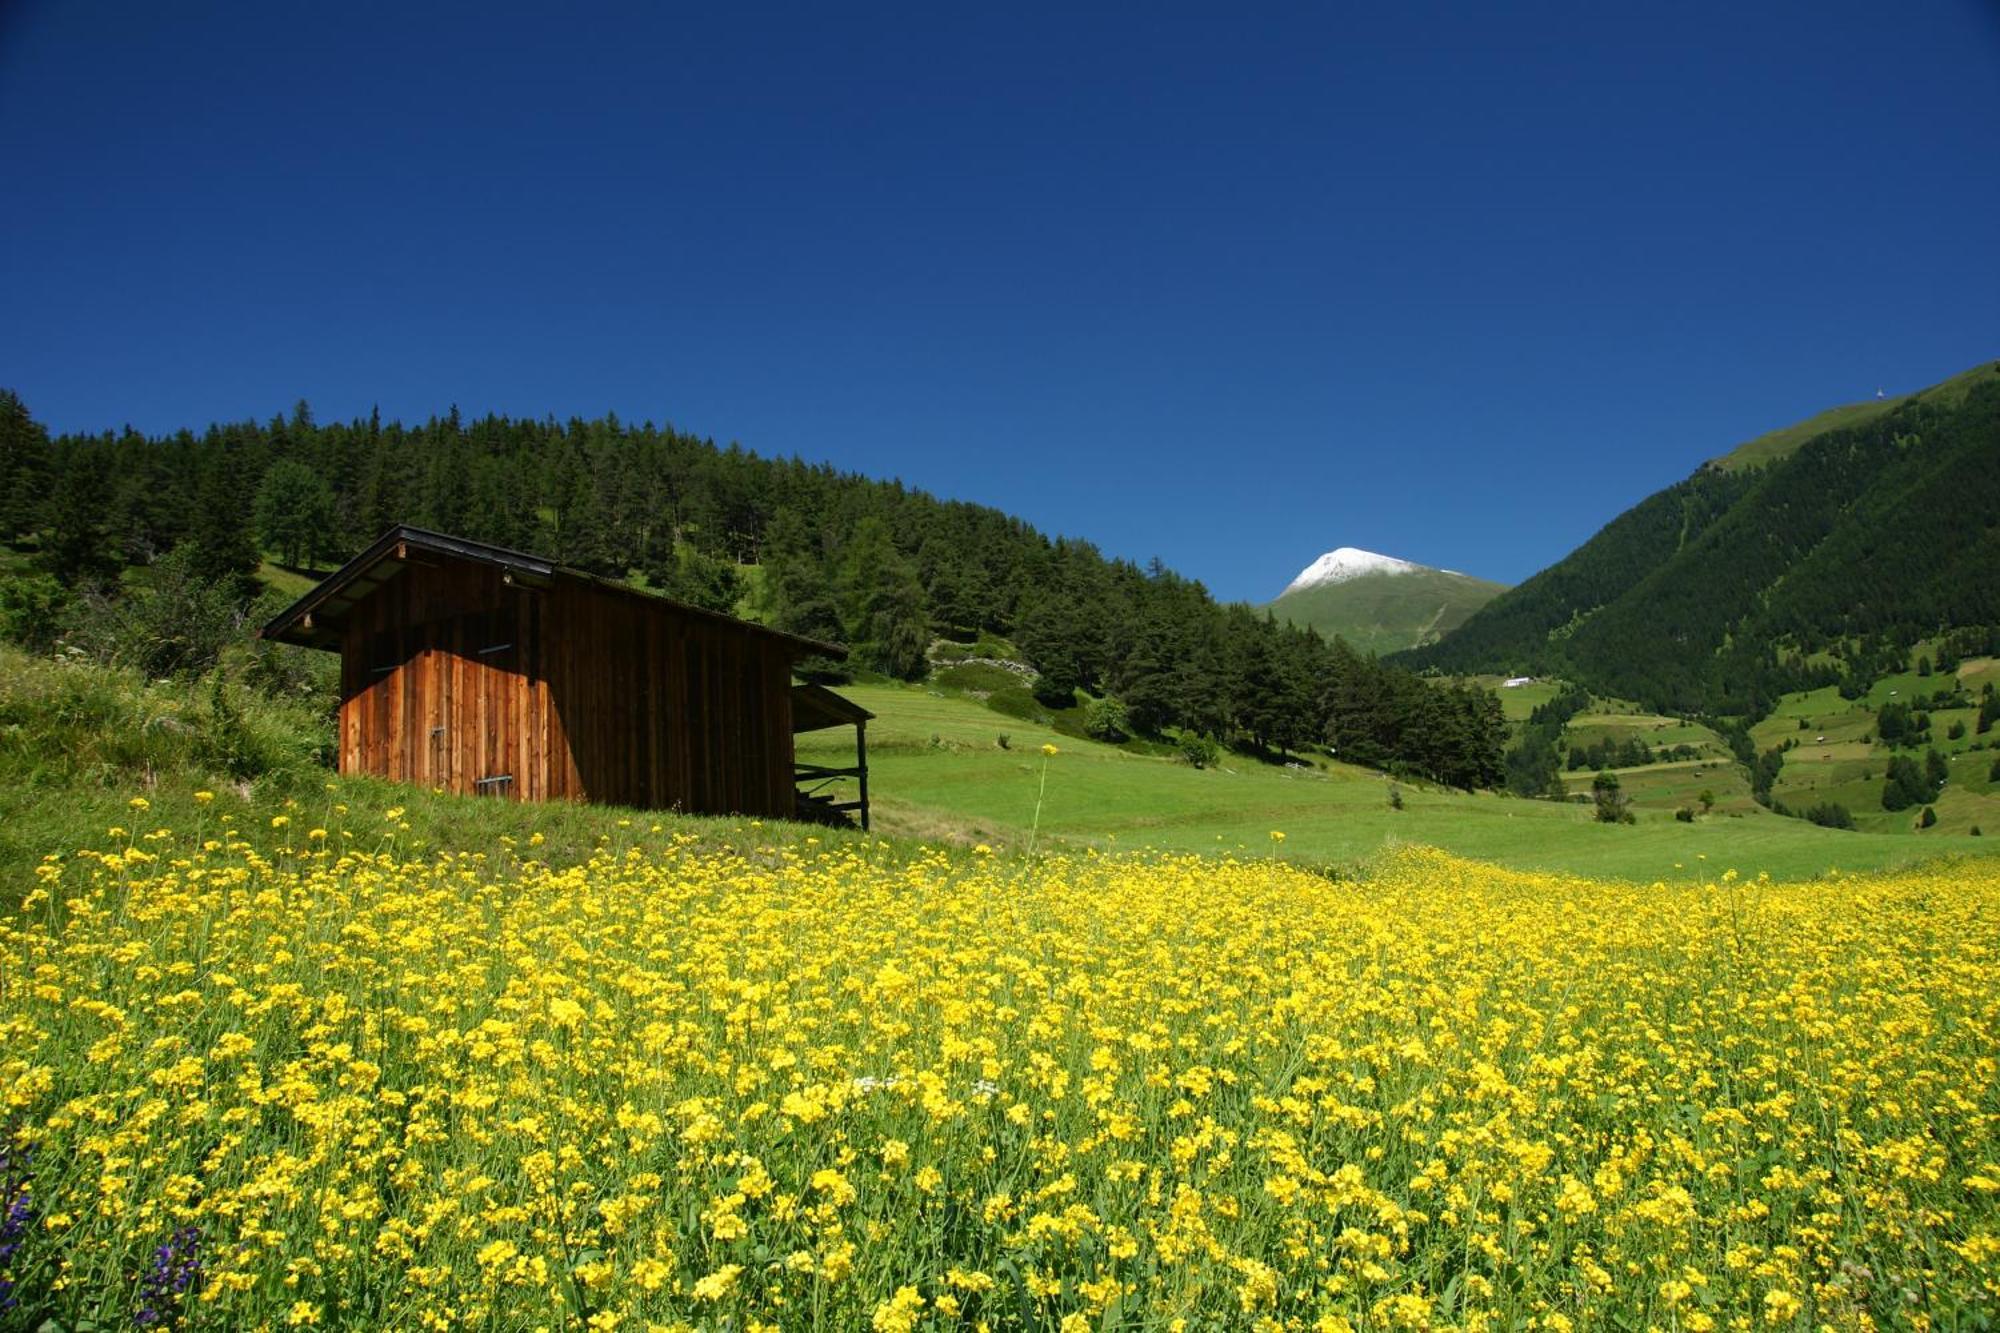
(492, 672)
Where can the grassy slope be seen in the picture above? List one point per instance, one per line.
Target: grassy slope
(1386, 613)
(1778, 443)
(1849, 765)
(937, 771)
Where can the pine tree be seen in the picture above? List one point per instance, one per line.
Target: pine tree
(76, 544)
(295, 513)
(25, 467)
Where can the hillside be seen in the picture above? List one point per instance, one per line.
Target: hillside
(1380, 604)
(1770, 447)
(1743, 583)
(836, 556)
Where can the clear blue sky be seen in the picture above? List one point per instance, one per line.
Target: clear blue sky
(1457, 283)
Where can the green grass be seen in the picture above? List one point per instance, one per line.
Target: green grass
(1517, 703)
(938, 772)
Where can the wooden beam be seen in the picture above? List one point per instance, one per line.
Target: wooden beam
(861, 764)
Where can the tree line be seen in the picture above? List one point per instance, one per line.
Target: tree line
(877, 565)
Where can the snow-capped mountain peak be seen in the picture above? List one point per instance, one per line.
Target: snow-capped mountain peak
(1349, 563)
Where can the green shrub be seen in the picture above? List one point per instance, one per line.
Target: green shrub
(32, 611)
(172, 622)
(1613, 807)
(1685, 814)
(1831, 814)
(1928, 819)
(1199, 750)
(1105, 720)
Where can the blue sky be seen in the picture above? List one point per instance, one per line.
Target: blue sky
(1457, 283)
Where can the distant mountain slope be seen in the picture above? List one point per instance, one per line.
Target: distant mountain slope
(1777, 444)
(1743, 582)
(1379, 603)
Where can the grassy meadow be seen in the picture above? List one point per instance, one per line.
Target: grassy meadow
(938, 771)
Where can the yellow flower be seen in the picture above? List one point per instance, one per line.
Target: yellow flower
(140, 803)
(1050, 750)
(1277, 836)
(1781, 1307)
(204, 797)
(717, 1284)
(899, 1313)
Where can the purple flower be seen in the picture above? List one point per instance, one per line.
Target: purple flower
(17, 1212)
(174, 1276)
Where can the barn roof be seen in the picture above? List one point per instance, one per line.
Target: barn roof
(314, 621)
(815, 708)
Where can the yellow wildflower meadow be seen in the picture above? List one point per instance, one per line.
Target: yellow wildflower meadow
(684, 1087)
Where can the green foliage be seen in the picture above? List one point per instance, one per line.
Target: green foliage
(982, 677)
(33, 610)
(294, 513)
(1907, 785)
(687, 575)
(1197, 749)
(66, 722)
(1608, 796)
(1733, 587)
(1532, 766)
(871, 565)
(883, 603)
(1630, 752)
(1105, 720)
(1685, 814)
(1928, 819)
(1830, 814)
(172, 622)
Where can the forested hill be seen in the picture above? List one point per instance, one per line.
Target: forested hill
(1742, 582)
(871, 563)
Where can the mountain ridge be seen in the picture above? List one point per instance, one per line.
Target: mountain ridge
(1804, 568)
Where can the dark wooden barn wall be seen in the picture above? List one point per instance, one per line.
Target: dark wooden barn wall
(451, 676)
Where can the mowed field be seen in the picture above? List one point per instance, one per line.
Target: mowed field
(938, 771)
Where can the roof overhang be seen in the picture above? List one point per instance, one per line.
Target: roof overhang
(317, 619)
(815, 708)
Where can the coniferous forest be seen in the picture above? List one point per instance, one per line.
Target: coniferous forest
(1820, 567)
(874, 564)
